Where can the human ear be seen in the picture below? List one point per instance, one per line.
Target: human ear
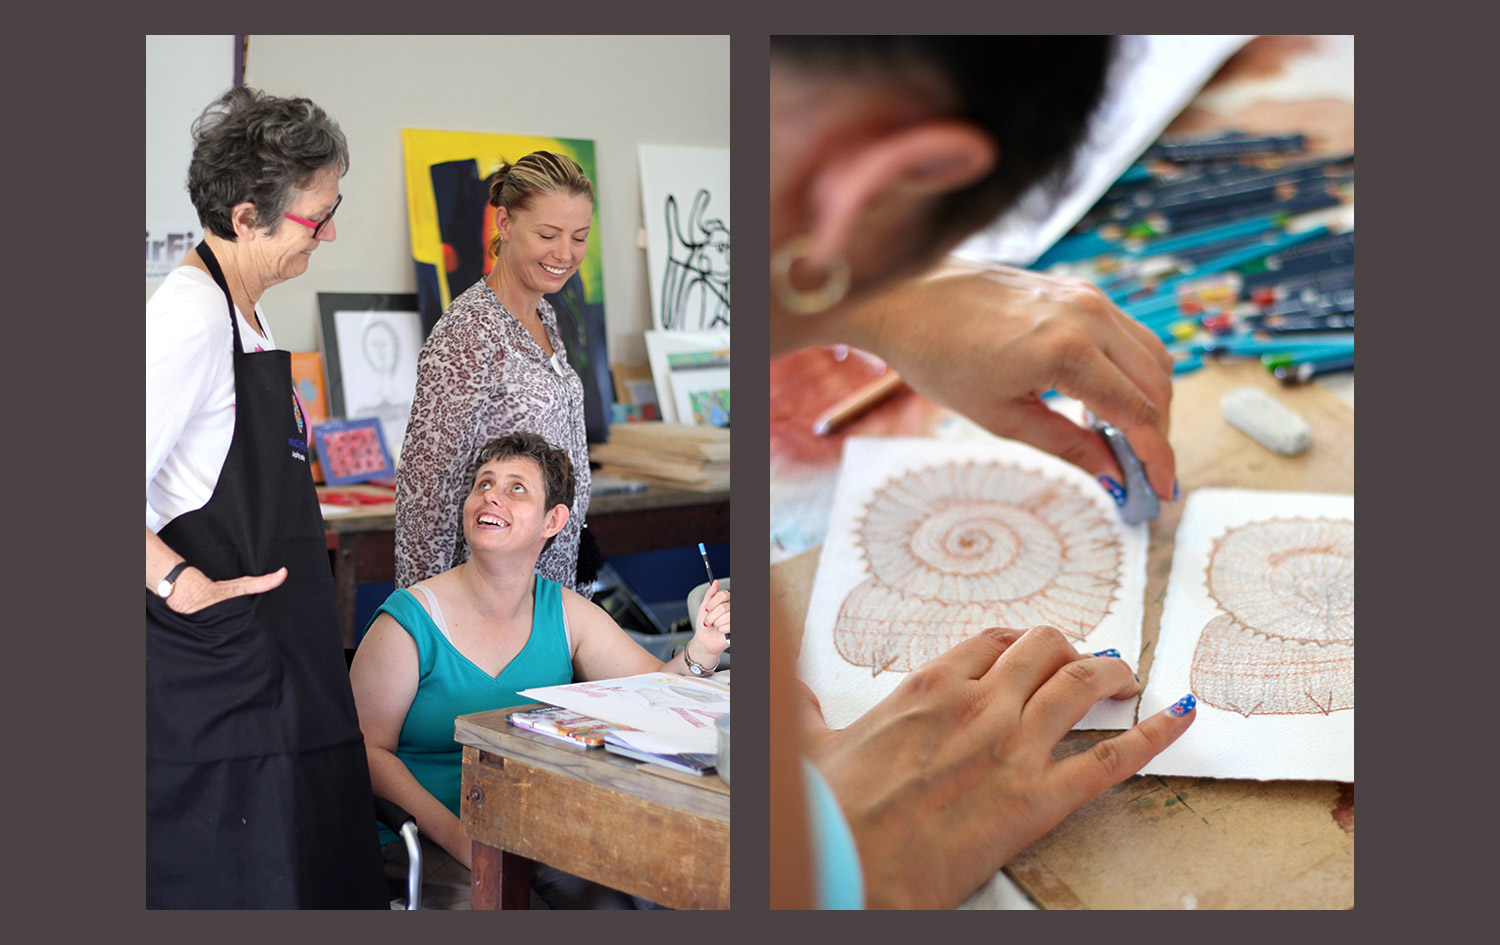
(242, 218)
(502, 223)
(910, 164)
(556, 519)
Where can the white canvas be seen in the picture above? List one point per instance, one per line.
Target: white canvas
(1269, 657)
(685, 206)
(378, 367)
(1066, 515)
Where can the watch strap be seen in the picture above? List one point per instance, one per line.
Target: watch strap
(171, 579)
(694, 667)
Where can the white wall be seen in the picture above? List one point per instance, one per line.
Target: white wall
(619, 91)
(183, 74)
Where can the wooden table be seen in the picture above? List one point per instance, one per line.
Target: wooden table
(1155, 842)
(362, 543)
(531, 798)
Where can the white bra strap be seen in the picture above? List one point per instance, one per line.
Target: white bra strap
(433, 609)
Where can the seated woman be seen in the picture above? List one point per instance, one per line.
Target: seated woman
(469, 638)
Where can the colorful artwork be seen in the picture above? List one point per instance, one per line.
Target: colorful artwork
(700, 386)
(353, 451)
(447, 197)
(308, 381)
(710, 407)
(685, 203)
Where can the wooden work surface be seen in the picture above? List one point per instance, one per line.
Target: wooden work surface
(1157, 842)
(530, 798)
(362, 542)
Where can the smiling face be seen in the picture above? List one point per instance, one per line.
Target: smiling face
(285, 254)
(506, 508)
(544, 244)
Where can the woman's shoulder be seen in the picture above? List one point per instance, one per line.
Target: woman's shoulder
(188, 302)
(476, 302)
(576, 605)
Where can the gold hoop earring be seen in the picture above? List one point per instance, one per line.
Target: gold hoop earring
(802, 301)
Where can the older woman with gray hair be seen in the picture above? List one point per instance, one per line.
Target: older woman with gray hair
(257, 790)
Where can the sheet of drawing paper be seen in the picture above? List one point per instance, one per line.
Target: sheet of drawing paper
(675, 707)
(1259, 625)
(931, 541)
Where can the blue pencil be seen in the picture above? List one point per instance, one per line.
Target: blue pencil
(704, 552)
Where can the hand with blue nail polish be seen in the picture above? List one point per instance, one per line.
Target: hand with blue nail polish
(952, 774)
(1004, 338)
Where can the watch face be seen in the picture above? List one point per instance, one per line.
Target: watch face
(163, 587)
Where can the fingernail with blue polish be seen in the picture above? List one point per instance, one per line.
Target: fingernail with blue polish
(1109, 652)
(1114, 489)
(1183, 706)
(1175, 493)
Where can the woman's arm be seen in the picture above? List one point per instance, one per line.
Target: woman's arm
(193, 590)
(601, 650)
(384, 678)
(454, 375)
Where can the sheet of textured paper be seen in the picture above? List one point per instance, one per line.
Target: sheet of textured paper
(1258, 623)
(931, 541)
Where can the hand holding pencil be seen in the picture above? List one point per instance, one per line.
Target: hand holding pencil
(989, 342)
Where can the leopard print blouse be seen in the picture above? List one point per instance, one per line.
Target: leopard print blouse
(481, 375)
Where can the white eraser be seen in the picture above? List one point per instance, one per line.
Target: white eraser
(1267, 422)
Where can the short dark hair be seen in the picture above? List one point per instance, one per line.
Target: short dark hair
(1033, 94)
(557, 470)
(248, 145)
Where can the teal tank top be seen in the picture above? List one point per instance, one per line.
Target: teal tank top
(448, 685)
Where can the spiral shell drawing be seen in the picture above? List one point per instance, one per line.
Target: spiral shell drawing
(1285, 644)
(957, 548)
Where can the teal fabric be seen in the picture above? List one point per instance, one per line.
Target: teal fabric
(840, 884)
(448, 685)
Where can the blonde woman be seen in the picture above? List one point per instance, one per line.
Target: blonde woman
(495, 364)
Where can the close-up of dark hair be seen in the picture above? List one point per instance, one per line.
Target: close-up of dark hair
(248, 145)
(557, 470)
(1033, 94)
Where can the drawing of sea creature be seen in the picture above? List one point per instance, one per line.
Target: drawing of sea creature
(1285, 644)
(953, 549)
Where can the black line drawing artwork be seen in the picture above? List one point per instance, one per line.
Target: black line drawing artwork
(1285, 644)
(953, 549)
(695, 286)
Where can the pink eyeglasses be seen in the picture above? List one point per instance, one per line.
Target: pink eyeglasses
(317, 225)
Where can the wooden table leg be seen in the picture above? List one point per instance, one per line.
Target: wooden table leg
(344, 586)
(501, 880)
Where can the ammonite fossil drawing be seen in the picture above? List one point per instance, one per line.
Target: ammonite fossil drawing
(1285, 645)
(954, 549)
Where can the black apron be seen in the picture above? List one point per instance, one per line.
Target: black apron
(257, 788)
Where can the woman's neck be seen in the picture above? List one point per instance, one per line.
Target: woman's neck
(516, 299)
(499, 590)
(244, 288)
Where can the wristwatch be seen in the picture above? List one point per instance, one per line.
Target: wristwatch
(697, 669)
(164, 586)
